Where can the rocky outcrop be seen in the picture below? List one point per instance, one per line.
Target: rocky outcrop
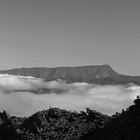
(57, 124)
(122, 126)
(52, 124)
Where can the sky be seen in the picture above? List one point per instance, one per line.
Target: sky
(51, 33)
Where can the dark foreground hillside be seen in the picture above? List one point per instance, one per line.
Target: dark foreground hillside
(52, 124)
(57, 124)
(123, 126)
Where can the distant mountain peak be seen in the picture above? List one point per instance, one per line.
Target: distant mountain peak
(98, 74)
(66, 73)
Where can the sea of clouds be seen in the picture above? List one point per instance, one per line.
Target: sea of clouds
(17, 99)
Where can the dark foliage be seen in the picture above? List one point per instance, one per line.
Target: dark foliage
(57, 124)
(122, 126)
(52, 124)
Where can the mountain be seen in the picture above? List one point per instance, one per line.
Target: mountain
(57, 124)
(99, 74)
(122, 126)
(83, 73)
(52, 124)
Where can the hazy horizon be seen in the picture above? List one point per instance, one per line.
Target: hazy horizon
(56, 33)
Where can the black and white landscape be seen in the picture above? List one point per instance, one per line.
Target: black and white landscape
(69, 69)
(62, 104)
(28, 90)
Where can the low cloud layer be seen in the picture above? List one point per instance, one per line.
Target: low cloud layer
(75, 96)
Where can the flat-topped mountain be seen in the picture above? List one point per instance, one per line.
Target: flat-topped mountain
(99, 74)
(66, 73)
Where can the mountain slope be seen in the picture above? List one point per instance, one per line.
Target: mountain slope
(57, 124)
(67, 73)
(122, 126)
(52, 124)
(99, 74)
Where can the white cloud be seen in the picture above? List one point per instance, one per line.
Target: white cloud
(76, 96)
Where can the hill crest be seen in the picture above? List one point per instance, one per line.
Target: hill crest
(98, 74)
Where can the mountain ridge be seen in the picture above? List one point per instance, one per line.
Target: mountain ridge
(58, 124)
(99, 74)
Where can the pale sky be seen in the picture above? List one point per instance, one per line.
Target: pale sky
(50, 33)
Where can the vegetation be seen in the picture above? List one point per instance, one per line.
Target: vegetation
(57, 124)
(52, 124)
(122, 126)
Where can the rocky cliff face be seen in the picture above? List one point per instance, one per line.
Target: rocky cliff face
(100, 74)
(67, 73)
